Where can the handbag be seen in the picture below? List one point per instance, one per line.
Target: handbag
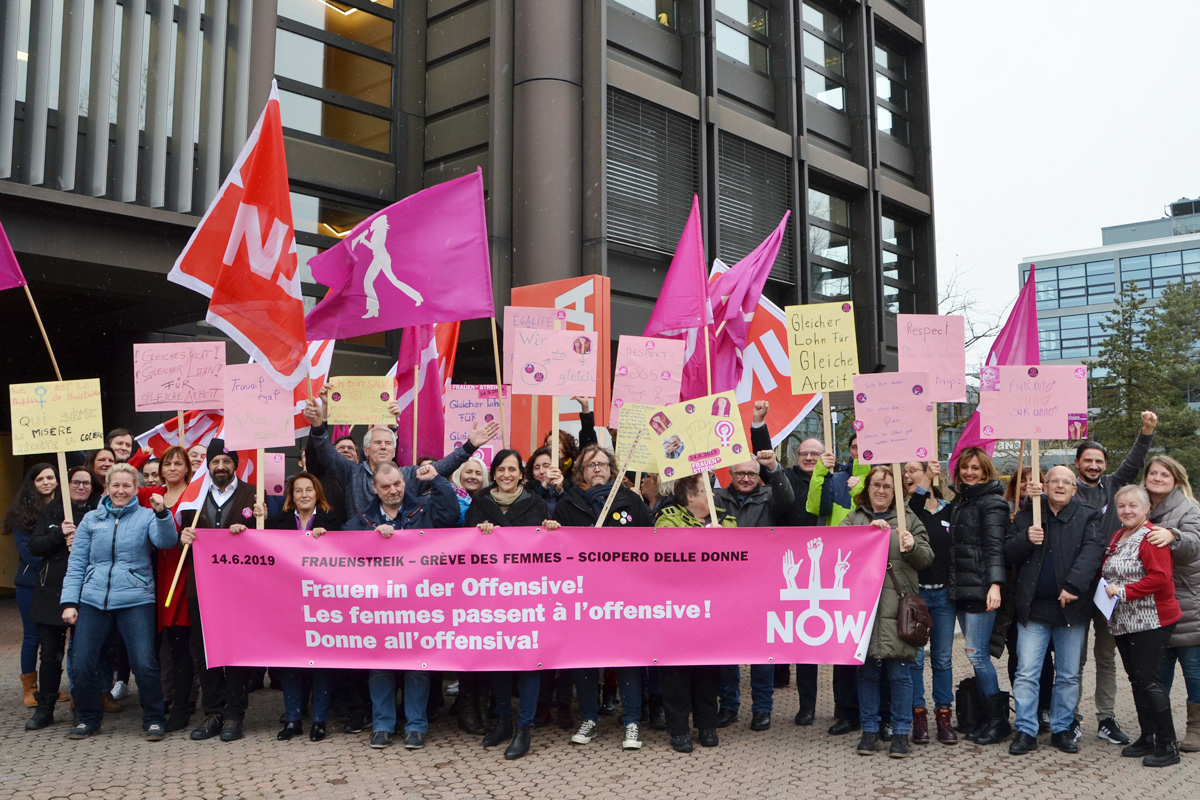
(912, 615)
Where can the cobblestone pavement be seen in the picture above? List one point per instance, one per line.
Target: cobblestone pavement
(785, 761)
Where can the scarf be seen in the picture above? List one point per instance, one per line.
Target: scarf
(597, 496)
(505, 499)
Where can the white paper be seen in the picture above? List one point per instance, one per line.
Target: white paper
(1103, 602)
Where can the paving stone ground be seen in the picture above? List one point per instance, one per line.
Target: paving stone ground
(785, 761)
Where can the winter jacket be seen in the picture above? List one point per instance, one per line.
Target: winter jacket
(978, 523)
(763, 507)
(628, 509)
(843, 497)
(676, 516)
(937, 527)
(49, 543)
(437, 509)
(110, 567)
(1182, 517)
(286, 521)
(1078, 550)
(528, 510)
(1103, 495)
(885, 636)
(798, 513)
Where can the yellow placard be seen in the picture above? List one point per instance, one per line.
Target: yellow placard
(640, 457)
(698, 435)
(56, 416)
(361, 400)
(822, 347)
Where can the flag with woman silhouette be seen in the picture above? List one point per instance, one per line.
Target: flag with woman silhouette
(419, 261)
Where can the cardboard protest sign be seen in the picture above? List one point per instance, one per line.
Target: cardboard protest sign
(698, 435)
(179, 376)
(822, 346)
(1033, 402)
(525, 317)
(258, 411)
(274, 476)
(555, 363)
(639, 458)
(649, 371)
(471, 404)
(361, 400)
(893, 417)
(937, 345)
(55, 416)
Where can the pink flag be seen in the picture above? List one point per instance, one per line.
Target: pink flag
(419, 261)
(10, 272)
(1016, 344)
(683, 303)
(419, 345)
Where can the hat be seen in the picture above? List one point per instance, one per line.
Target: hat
(217, 448)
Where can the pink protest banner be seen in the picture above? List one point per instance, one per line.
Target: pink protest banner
(274, 476)
(525, 318)
(180, 376)
(559, 363)
(474, 404)
(258, 411)
(649, 372)
(1042, 402)
(523, 598)
(892, 415)
(937, 345)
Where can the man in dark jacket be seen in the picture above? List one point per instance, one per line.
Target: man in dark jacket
(1095, 489)
(397, 507)
(1056, 565)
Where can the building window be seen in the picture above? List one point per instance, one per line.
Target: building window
(891, 93)
(1152, 274)
(661, 11)
(1071, 337)
(829, 245)
(899, 267)
(742, 33)
(652, 171)
(1077, 284)
(823, 48)
(755, 185)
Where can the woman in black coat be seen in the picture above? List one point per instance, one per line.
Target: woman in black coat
(978, 523)
(51, 542)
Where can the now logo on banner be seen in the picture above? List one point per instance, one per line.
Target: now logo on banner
(815, 626)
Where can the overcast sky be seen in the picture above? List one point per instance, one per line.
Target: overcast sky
(1052, 119)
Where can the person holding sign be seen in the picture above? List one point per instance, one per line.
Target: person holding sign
(38, 490)
(847, 484)
(545, 479)
(908, 552)
(110, 582)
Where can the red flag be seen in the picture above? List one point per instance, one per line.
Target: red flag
(243, 256)
(199, 427)
(10, 271)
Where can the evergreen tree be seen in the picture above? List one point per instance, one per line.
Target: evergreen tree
(1124, 381)
(1171, 344)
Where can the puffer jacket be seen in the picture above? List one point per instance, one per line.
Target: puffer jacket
(885, 636)
(978, 523)
(110, 567)
(1182, 517)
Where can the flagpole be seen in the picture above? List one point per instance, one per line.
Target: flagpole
(179, 425)
(182, 559)
(1035, 464)
(499, 381)
(708, 358)
(554, 438)
(42, 328)
(416, 395)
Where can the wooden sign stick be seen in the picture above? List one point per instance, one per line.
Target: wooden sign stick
(827, 422)
(182, 560)
(612, 493)
(499, 383)
(179, 427)
(712, 503)
(261, 489)
(1036, 465)
(42, 328)
(64, 485)
(897, 486)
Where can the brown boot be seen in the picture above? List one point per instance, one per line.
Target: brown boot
(1191, 741)
(920, 726)
(945, 727)
(29, 684)
(109, 705)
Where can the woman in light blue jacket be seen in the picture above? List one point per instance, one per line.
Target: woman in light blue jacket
(110, 581)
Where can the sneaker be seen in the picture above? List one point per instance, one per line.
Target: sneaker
(587, 732)
(452, 689)
(120, 690)
(81, 731)
(1075, 730)
(380, 739)
(633, 739)
(231, 730)
(155, 732)
(1110, 731)
(681, 743)
(414, 740)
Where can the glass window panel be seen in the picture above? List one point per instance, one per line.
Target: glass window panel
(892, 124)
(824, 89)
(829, 208)
(1074, 352)
(890, 60)
(1071, 271)
(741, 47)
(343, 20)
(1046, 275)
(1134, 262)
(1171, 271)
(1165, 259)
(1100, 268)
(890, 90)
(830, 283)
(826, 22)
(323, 119)
(897, 233)
(750, 14)
(1191, 256)
(663, 11)
(1073, 321)
(820, 52)
(317, 64)
(1072, 302)
(1071, 283)
(828, 244)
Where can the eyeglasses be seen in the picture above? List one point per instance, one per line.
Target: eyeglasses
(596, 465)
(743, 474)
(811, 454)
(81, 484)
(1060, 482)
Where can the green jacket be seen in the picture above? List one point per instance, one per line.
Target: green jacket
(843, 498)
(885, 636)
(676, 516)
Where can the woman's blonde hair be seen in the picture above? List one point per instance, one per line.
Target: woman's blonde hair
(1177, 470)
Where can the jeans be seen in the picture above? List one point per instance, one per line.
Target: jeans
(941, 651)
(629, 681)
(29, 630)
(1142, 655)
(1189, 662)
(977, 635)
(382, 683)
(528, 685)
(762, 688)
(137, 626)
(1033, 640)
(293, 693)
(899, 674)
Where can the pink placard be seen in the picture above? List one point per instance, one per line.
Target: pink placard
(551, 362)
(525, 318)
(468, 405)
(180, 376)
(524, 598)
(935, 344)
(1033, 402)
(258, 411)
(893, 417)
(274, 473)
(649, 372)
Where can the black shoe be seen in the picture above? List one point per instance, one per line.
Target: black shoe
(501, 731)
(867, 743)
(519, 745)
(178, 719)
(726, 717)
(1024, 743)
(81, 731)
(997, 728)
(681, 743)
(657, 720)
(899, 748)
(708, 737)
(842, 727)
(805, 716)
(380, 739)
(760, 721)
(356, 723)
(1142, 746)
(1043, 720)
(1164, 755)
(1063, 740)
(207, 729)
(289, 730)
(155, 732)
(885, 731)
(40, 719)
(317, 733)
(608, 703)
(1110, 731)
(414, 741)
(231, 730)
